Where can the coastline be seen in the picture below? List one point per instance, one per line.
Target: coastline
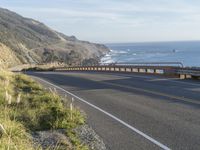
(188, 53)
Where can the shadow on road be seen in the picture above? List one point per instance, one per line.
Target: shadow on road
(131, 84)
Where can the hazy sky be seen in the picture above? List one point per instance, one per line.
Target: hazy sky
(116, 20)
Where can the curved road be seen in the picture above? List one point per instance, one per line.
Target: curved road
(135, 111)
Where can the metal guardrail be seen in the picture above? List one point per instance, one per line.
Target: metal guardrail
(154, 68)
(177, 64)
(165, 68)
(188, 73)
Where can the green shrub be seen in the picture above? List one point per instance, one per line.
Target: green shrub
(34, 110)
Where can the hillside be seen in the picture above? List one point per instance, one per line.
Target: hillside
(24, 40)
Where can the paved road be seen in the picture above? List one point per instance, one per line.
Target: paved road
(165, 109)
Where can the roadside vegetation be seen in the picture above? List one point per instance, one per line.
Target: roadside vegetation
(27, 108)
(39, 69)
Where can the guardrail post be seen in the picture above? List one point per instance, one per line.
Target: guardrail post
(134, 70)
(167, 70)
(182, 76)
(188, 76)
(128, 69)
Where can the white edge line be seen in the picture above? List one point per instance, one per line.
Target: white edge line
(112, 116)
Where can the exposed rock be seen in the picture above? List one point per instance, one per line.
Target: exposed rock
(7, 57)
(33, 42)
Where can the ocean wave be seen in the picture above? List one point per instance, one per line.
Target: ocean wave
(108, 54)
(110, 60)
(186, 52)
(119, 52)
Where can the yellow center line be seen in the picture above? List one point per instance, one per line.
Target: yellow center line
(155, 93)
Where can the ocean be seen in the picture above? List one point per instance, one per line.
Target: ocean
(186, 52)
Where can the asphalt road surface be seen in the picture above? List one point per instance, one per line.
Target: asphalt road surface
(132, 111)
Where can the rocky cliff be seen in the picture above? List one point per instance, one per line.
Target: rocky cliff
(24, 40)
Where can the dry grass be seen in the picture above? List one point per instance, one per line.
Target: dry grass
(27, 107)
(7, 57)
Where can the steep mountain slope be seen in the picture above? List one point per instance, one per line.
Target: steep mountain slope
(7, 57)
(30, 41)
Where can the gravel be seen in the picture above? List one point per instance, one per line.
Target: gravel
(52, 139)
(88, 136)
